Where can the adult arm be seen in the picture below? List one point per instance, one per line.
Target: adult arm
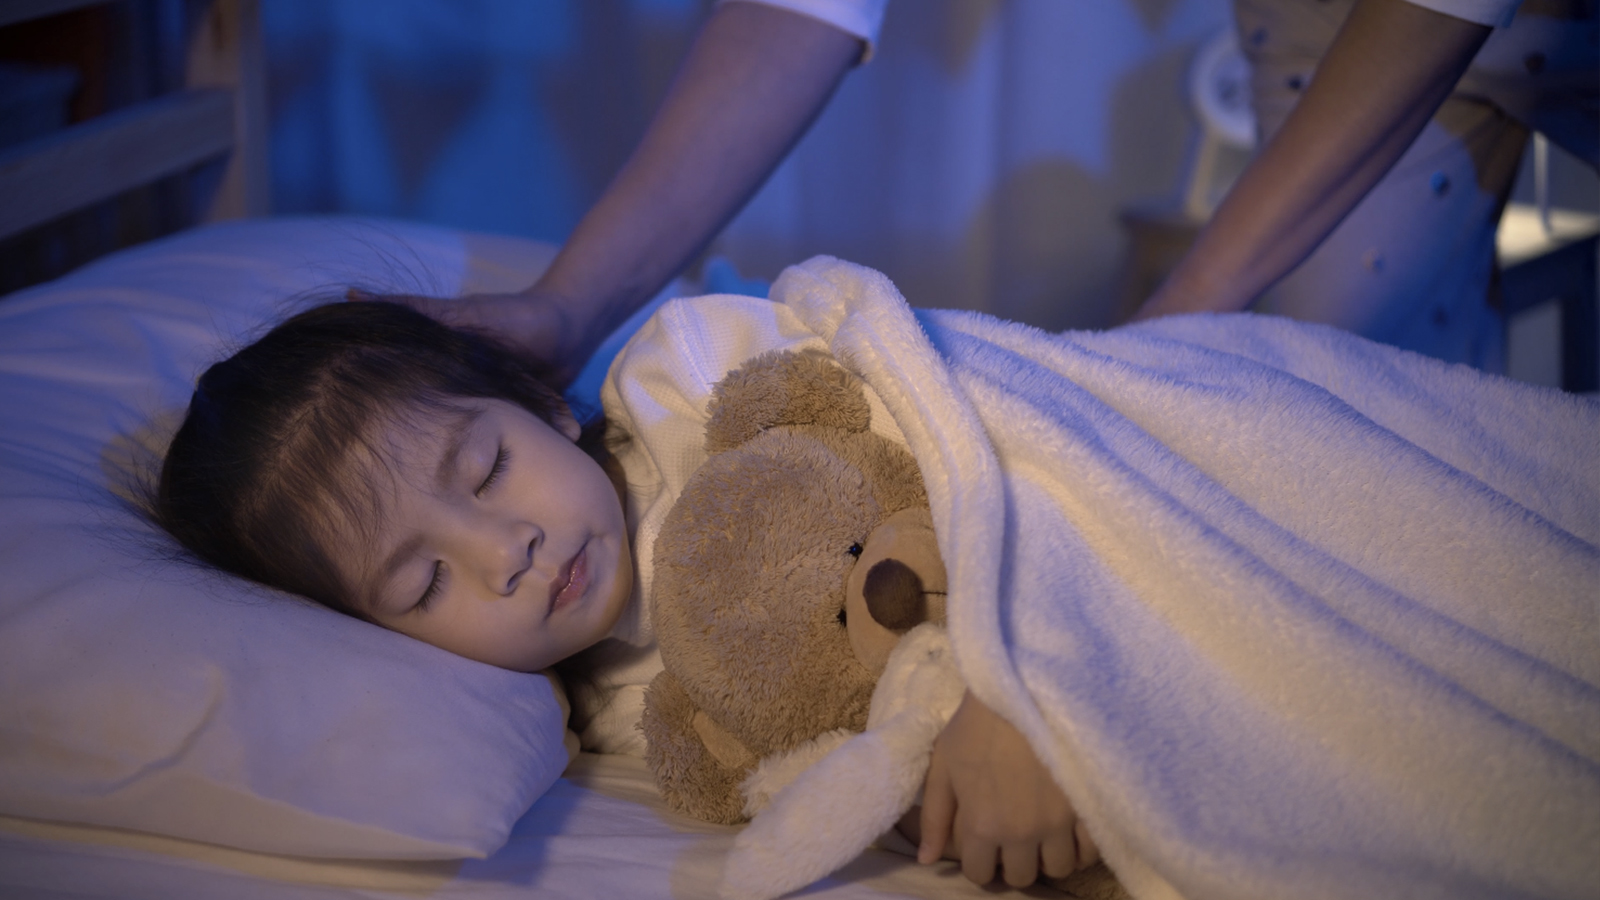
(752, 82)
(1387, 71)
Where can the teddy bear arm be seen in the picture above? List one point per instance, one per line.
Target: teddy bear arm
(691, 776)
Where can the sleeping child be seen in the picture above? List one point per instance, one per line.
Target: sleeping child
(427, 480)
(1284, 612)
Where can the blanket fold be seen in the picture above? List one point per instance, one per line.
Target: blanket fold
(1285, 612)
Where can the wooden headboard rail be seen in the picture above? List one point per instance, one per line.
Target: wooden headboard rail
(222, 110)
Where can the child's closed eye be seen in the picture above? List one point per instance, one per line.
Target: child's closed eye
(501, 457)
(434, 585)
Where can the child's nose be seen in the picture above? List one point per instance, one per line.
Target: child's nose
(509, 556)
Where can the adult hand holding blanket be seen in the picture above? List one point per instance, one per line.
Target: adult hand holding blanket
(1286, 613)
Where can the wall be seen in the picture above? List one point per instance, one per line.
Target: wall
(983, 159)
(980, 159)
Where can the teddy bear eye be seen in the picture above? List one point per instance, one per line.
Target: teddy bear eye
(855, 550)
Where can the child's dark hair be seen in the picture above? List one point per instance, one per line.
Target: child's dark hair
(264, 459)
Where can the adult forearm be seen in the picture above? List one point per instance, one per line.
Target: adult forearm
(753, 81)
(1386, 73)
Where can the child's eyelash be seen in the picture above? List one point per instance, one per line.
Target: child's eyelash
(500, 459)
(433, 588)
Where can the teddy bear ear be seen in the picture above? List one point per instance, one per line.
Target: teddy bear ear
(784, 388)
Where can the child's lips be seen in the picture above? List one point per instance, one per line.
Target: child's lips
(572, 581)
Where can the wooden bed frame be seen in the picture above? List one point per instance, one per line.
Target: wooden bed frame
(220, 112)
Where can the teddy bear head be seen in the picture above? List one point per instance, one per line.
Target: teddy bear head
(786, 571)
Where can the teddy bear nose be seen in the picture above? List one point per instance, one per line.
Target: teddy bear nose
(894, 595)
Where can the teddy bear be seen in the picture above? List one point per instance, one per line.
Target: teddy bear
(798, 604)
(791, 564)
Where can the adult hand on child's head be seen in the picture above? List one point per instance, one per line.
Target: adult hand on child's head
(535, 321)
(989, 794)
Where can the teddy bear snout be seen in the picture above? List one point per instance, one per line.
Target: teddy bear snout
(895, 596)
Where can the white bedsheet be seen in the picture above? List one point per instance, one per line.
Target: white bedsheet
(600, 832)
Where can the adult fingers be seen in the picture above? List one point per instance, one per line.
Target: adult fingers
(938, 811)
(1020, 863)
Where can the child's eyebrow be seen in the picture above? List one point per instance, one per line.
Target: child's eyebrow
(452, 450)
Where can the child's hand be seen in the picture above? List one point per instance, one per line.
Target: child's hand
(988, 793)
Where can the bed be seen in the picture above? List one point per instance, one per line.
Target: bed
(166, 731)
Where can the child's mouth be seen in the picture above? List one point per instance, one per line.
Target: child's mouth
(571, 583)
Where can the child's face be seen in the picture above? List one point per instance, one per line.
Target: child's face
(501, 541)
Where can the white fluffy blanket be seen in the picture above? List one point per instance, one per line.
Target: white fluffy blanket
(1287, 613)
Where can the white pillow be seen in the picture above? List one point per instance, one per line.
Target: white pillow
(141, 692)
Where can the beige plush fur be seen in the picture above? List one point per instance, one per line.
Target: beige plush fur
(763, 607)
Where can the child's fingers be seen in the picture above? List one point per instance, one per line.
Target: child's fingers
(1058, 856)
(938, 811)
(1088, 853)
(978, 861)
(1020, 863)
